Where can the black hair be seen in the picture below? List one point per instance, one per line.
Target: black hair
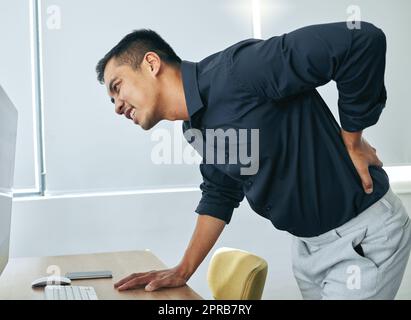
(132, 48)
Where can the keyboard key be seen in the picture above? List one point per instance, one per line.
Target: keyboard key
(69, 293)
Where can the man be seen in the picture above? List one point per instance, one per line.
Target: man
(321, 182)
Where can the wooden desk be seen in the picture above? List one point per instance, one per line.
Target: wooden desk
(15, 281)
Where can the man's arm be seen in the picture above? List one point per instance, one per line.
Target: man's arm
(206, 233)
(307, 58)
(220, 195)
(362, 156)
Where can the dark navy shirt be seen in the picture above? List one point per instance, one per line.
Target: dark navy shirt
(306, 183)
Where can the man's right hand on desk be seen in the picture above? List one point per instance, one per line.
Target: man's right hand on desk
(153, 280)
(206, 233)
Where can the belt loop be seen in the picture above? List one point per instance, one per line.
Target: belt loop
(387, 204)
(337, 233)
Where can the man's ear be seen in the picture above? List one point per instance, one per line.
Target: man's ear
(153, 62)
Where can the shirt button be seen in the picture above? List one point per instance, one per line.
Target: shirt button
(249, 183)
(267, 208)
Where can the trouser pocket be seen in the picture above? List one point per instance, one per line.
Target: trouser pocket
(353, 275)
(358, 248)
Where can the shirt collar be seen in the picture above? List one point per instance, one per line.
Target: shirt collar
(190, 84)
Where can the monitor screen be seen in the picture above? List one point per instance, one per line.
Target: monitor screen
(8, 133)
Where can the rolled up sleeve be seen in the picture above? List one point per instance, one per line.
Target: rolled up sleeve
(220, 193)
(360, 81)
(312, 56)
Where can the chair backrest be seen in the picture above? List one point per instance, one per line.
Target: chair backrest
(236, 274)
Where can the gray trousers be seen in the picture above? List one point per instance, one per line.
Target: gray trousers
(363, 259)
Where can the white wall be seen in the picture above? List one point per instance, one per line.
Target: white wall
(73, 225)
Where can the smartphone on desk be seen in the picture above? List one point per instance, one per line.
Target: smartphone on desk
(89, 275)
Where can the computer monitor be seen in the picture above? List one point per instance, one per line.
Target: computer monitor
(8, 134)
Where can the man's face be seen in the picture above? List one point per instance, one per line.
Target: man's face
(134, 92)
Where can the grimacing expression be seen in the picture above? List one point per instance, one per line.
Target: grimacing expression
(133, 92)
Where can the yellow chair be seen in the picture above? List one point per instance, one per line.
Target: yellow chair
(236, 274)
